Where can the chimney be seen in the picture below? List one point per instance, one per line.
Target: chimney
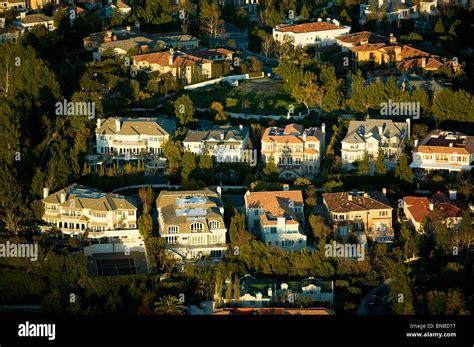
(22, 15)
(431, 207)
(219, 190)
(323, 128)
(381, 130)
(171, 56)
(304, 135)
(129, 28)
(247, 192)
(450, 144)
(63, 198)
(117, 125)
(392, 38)
(416, 143)
(241, 127)
(349, 197)
(286, 187)
(366, 195)
(384, 191)
(99, 122)
(45, 192)
(408, 127)
(453, 194)
(222, 136)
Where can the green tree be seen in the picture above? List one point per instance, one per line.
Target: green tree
(380, 168)
(270, 170)
(188, 165)
(221, 115)
(402, 170)
(237, 232)
(169, 306)
(364, 165)
(173, 151)
(184, 109)
(436, 302)
(319, 227)
(402, 297)
(439, 27)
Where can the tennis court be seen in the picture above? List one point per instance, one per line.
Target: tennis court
(120, 266)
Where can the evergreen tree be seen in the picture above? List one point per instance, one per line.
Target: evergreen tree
(380, 168)
(439, 27)
(402, 298)
(188, 165)
(184, 109)
(402, 170)
(364, 165)
(270, 170)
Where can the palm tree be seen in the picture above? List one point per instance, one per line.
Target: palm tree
(169, 306)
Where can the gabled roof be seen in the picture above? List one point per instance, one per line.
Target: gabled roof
(358, 129)
(233, 133)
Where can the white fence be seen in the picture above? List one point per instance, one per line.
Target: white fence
(230, 79)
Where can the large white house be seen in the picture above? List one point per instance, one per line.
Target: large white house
(374, 134)
(224, 143)
(278, 216)
(191, 223)
(132, 136)
(319, 34)
(110, 220)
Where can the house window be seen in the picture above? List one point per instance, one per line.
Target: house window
(197, 227)
(214, 224)
(173, 229)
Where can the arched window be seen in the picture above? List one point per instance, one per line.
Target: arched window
(173, 229)
(196, 227)
(215, 224)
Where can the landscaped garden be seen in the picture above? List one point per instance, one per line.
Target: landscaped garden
(259, 96)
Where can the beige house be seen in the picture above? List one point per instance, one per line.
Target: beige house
(444, 150)
(296, 151)
(184, 67)
(191, 223)
(132, 136)
(278, 217)
(109, 219)
(360, 212)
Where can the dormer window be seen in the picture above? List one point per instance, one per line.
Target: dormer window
(173, 229)
(214, 224)
(197, 227)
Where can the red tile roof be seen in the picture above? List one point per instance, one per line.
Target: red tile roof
(307, 27)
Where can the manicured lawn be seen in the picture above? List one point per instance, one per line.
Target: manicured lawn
(262, 96)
